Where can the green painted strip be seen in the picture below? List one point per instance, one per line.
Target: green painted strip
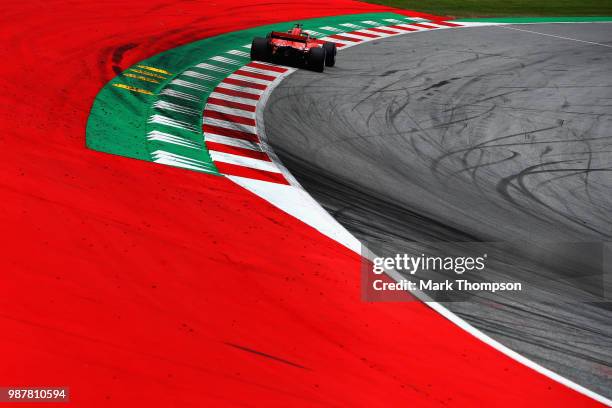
(135, 114)
(153, 110)
(531, 20)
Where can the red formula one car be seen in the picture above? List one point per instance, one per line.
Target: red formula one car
(294, 46)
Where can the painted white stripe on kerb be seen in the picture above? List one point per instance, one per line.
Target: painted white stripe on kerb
(422, 28)
(226, 60)
(329, 28)
(372, 23)
(230, 98)
(179, 94)
(250, 79)
(328, 39)
(230, 111)
(216, 132)
(378, 33)
(394, 31)
(418, 19)
(175, 108)
(211, 67)
(252, 91)
(352, 36)
(199, 75)
(392, 20)
(230, 141)
(230, 125)
(438, 25)
(179, 124)
(239, 53)
(187, 84)
(314, 33)
(260, 71)
(353, 26)
(171, 159)
(156, 135)
(412, 27)
(267, 64)
(243, 161)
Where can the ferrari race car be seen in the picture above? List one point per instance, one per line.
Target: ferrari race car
(294, 46)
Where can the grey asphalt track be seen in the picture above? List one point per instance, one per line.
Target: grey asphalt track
(473, 134)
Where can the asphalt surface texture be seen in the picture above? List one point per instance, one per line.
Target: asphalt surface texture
(472, 135)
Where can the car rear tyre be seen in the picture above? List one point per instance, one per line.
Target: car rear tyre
(260, 51)
(330, 54)
(316, 59)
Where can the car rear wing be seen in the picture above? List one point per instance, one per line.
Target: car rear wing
(288, 37)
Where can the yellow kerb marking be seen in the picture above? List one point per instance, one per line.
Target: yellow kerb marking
(133, 88)
(161, 71)
(141, 78)
(148, 73)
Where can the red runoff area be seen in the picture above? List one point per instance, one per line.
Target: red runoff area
(136, 284)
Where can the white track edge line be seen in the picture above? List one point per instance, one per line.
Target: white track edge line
(395, 275)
